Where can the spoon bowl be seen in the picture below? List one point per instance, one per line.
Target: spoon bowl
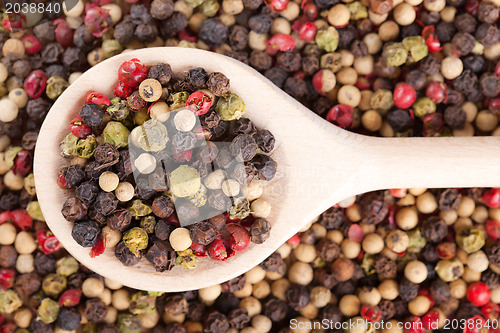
(319, 165)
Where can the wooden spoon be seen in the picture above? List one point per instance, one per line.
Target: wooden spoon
(319, 165)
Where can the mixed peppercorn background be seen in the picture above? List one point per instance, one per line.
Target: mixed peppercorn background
(377, 67)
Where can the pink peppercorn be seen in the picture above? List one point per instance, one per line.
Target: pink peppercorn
(64, 34)
(476, 324)
(493, 229)
(356, 233)
(471, 6)
(122, 91)
(97, 19)
(310, 10)
(497, 69)
(187, 36)
(398, 192)
(279, 42)
(491, 198)
(478, 293)
(494, 106)
(307, 32)
(14, 22)
(70, 298)
(491, 310)
(21, 219)
(199, 250)
(341, 115)
(276, 5)
(98, 98)
(23, 163)
(430, 320)
(7, 278)
(414, 325)
(99, 248)
(31, 44)
(240, 238)
(217, 250)
(433, 124)
(47, 241)
(437, 91)
(131, 73)
(35, 83)
(404, 96)
(294, 240)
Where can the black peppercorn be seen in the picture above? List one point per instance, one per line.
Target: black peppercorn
(455, 117)
(91, 114)
(238, 37)
(463, 43)
(202, 233)
(487, 34)
(119, 220)
(73, 175)
(74, 209)
(161, 9)
(373, 208)
(289, 60)
(277, 76)
(37, 109)
(126, 257)
(216, 322)
(213, 32)
(86, 233)
(440, 291)
(346, 35)
(465, 23)
(385, 267)
(87, 192)
(170, 27)
(44, 263)
(95, 310)
(218, 84)
(387, 309)
(106, 203)
(68, 319)
(445, 31)
(416, 78)
(359, 48)
(260, 60)
(161, 256)
(124, 31)
(489, 84)
(238, 318)
(297, 297)
(259, 232)
(449, 199)
(488, 12)
(161, 72)
(407, 290)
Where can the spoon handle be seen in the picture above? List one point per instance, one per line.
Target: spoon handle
(431, 162)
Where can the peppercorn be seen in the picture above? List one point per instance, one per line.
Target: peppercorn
(86, 233)
(74, 210)
(160, 256)
(489, 84)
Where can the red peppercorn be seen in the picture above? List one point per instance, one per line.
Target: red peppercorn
(494, 106)
(471, 6)
(35, 83)
(437, 91)
(371, 313)
(363, 83)
(199, 250)
(131, 73)
(14, 22)
(478, 293)
(310, 10)
(47, 241)
(446, 250)
(356, 233)
(21, 219)
(31, 44)
(424, 292)
(491, 198)
(199, 102)
(23, 163)
(99, 248)
(497, 69)
(404, 96)
(7, 278)
(173, 220)
(79, 129)
(476, 324)
(5, 217)
(240, 238)
(64, 34)
(122, 91)
(217, 250)
(276, 5)
(70, 298)
(431, 320)
(307, 32)
(491, 310)
(294, 240)
(97, 19)
(433, 44)
(433, 124)
(414, 325)
(398, 192)
(493, 229)
(279, 42)
(98, 98)
(341, 115)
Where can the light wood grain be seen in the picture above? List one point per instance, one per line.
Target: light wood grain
(319, 164)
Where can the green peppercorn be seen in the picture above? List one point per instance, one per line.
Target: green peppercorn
(85, 147)
(178, 100)
(136, 240)
(382, 101)
(29, 184)
(142, 302)
(152, 136)
(148, 223)
(423, 107)
(368, 264)
(68, 146)
(331, 61)
(89, 328)
(240, 209)
(395, 54)
(199, 199)
(358, 10)
(230, 107)
(3, 89)
(155, 293)
(327, 39)
(55, 87)
(194, 3)
(184, 181)
(186, 259)
(128, 323)
(417, 241)
(450, 269)
(417, 47)
(116, 133)
(209, 8)
(9, 301)
(111, 47)
(34, 211)
(54, 284)
(48, 310)
(67, 266)
(139, 209)
(118, 109)
(470, 239)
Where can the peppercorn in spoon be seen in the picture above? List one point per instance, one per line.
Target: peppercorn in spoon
(319, 164)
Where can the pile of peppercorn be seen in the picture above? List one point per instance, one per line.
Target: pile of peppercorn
(126, 150)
